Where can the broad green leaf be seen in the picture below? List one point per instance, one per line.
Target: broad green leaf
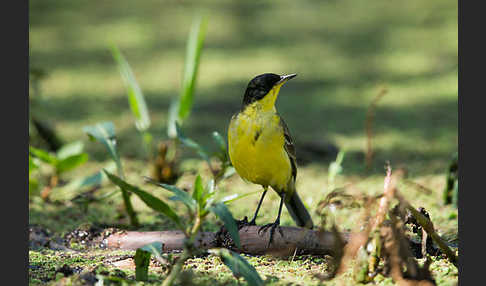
(135, 95)
(179, 194)
(151, 201)
(71, 162)
(225, 215)
(71, 149)
(239, 266)
(105, 133)
(193, 54)
(142, 262)
(44, 156)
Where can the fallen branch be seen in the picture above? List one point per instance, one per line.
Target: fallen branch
(294, 240)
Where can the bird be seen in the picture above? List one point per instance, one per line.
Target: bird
(262, 150)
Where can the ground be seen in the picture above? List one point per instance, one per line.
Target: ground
(344, 53)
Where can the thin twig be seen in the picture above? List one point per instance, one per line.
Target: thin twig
(370, 114)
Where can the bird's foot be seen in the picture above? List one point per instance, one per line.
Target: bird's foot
(272, 227)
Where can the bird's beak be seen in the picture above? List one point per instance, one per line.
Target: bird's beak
(285, 78)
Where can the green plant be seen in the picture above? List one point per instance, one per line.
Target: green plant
(450, 193)
(335, 168)
(199, 205)
(165, 165)
(33, 181)
(181, 106)
(67, 158)
(239, 266)
(136, 99)
(221, 154)
(105, 134)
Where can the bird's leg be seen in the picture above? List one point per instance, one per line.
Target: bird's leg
(253, 221)
(274, 225)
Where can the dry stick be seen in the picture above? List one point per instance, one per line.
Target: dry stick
(355, 242)
(397, 249)
(388, 193)
(429, 228)
(304, 240)
(370, 114)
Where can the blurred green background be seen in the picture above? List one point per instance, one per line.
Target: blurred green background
(344, 52)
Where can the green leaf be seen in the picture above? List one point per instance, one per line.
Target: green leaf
(33, 187)
(134, 93)
(105, 133)
(71, 162)
(151, 201)
(172, 120)
(193, 54)
(44, 156)
(225, 215)
(142, 259)
(220, 141)
(192, 144)
(179, 194)
(154, 248)
(32, 164)
(239, 266)
(73, 188)
(235, 197)
(142, 262)
(335, 168)
(198, 192)
(70, 149)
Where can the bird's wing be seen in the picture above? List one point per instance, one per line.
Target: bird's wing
(289, 147)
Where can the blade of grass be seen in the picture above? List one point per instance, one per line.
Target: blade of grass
(180, 108)
(134, 93)
(193, 54)
(234, 197)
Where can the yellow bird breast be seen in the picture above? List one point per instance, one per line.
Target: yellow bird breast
(256, 148)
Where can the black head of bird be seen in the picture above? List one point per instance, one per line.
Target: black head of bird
(261, 85)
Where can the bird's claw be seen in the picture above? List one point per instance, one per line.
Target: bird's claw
(272, 227)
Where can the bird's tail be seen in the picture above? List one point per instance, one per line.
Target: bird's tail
(297, 210)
